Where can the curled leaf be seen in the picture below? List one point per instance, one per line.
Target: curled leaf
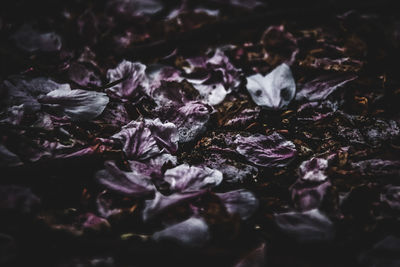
(185, 178)
(213, 77)
(161, 203)
(132, 76)
(77, 104)
(133, 183)
(148, 138)
(274, 90)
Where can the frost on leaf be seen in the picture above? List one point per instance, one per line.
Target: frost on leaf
(190, 119)
(310, 189)
(275, 90)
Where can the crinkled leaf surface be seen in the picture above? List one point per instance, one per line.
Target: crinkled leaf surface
(190, 119)
(266, 151)
(147, 138)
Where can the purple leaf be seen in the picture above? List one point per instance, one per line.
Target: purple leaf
(93, 222)
(377, 167)
(165, 134)
(321, 87)
(314, 111)
(309, 190)
(116, 114)
(266, 151)
(134, 79)
(274, 90)
(190, 119)
(234, 172)
(218, 76)
(306, 196)
(83, 76)
(161, 203)
(306, 227)
(20, 91)
(313, 170)
(247, 4)
(158, 74)
(244, 118)
(381, 131)
(240, 202)
(77, 104)
(148, 138)
(185, 178)
(105, 205)
(193, 232)
(136, 8)
(134, 183)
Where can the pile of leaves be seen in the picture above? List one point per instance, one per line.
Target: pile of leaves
(195, 133)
